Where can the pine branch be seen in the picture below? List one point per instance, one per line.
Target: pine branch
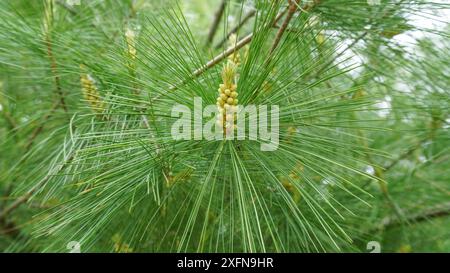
(73, 12)
(407, 153)
(379, 174)
(6, 195)
(442, 210)
(431, 135)
(9, 229)
(54, 69)
(222, 56)
(126, 168)
(244, 20)
(24, 198)
(293, 5)
(216, 21)
(386, 12)
(340, 54)
(39, 129)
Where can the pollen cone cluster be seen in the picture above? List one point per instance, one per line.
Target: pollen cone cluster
(227, 100)
(294, 175)
(120, 246)
(90, 92)
(130, 36)
(234, 58)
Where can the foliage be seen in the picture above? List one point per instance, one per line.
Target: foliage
(87, 153)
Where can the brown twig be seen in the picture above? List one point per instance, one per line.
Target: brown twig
(442, 210)
(215, 25)
(244, 20)
(407, 153)
(54, 69)
(379, 174)
(293, 5)
(241, 43)
(247, 39)
(24, 198)
(289, 30)
(37, 131)
(48, 43)
(9, 229)
(17, 203)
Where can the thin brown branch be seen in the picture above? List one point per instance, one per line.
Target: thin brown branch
(8, 229)
(407, 153)
(419, 144)
(379, 174)
(6, 195)
(30, 142)
(442, 210)
(293, 6)
(219, 58)
(24, 198)
(54, 69)
(247, 39)
(244, 20)
(216, 21)
(241, 43)
(289, 30)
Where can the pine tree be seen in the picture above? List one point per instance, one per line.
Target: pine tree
(87, 152)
